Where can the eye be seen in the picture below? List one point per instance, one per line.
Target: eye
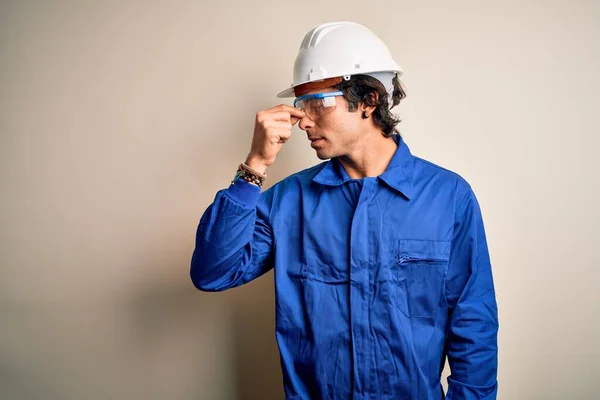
(318, 104)
(314, 104)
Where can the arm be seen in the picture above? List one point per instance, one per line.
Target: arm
(472, 329)
(234, 240)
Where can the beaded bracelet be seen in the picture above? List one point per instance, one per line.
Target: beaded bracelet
(249, 175)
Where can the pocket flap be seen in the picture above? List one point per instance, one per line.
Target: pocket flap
(424, 249)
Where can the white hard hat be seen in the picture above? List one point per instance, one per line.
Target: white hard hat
(340, 49)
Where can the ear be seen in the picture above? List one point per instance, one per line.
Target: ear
(368, 105)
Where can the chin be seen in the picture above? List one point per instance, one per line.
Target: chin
(325, 152)
(323, 156)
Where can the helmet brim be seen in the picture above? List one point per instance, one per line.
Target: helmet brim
(287, 93)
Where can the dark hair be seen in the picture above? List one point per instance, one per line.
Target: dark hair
(370, 91)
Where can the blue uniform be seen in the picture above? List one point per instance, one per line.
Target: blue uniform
(377, 279)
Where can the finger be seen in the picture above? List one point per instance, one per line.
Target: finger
(281, 137)
(281, 116)
(284, 134)
(278, 125)
(284, 117)
(296, 112)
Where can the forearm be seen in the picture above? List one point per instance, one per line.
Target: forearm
(231, 243)
(473, 349)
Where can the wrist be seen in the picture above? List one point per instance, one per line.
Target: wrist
(250, 175)
(256, 164)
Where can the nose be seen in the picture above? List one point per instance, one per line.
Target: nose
(305, 123)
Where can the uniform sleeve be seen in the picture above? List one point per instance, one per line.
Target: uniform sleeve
(471, 341)
(234, 239)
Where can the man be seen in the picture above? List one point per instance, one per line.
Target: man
(381, 261)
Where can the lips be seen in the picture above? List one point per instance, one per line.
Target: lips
(315, 142)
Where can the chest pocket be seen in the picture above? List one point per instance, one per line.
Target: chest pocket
(420, 270)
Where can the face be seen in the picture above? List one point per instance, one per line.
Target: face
(335, 133)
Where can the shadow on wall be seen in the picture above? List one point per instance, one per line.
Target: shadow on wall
(258, 367)
(195, 345)
(209, 345)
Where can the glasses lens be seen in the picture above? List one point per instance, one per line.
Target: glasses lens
(316, 108)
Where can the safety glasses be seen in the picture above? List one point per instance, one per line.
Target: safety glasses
(317, 104)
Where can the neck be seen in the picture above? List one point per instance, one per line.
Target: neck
(370, 157)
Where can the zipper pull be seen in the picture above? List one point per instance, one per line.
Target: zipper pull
(403, 259)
